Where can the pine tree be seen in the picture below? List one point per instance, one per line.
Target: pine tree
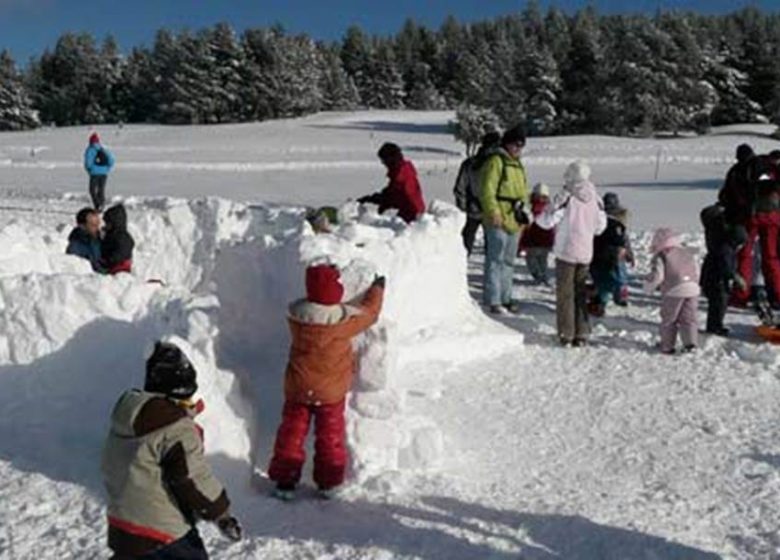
(16, 112)
(338, 88)
(471, 124)
(69, 88)
(384, 86)
(542, 83)
(226, 77)
(356, 54)
(423, 95)
(583, 76)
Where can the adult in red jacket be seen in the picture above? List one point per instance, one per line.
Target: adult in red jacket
(403, 192)
(763, 226)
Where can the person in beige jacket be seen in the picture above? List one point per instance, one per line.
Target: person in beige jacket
(155, 473)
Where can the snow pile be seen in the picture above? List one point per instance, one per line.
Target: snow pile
(230, 270)
(427, 311)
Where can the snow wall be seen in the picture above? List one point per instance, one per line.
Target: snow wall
(71, 341)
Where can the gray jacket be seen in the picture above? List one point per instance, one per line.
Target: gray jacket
(156, 475)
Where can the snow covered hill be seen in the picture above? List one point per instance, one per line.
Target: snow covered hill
(470, 438)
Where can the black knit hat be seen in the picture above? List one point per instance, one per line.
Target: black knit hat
(744, 152)
(612, 204)
(390, 152)
(513, 135)
(169, 371)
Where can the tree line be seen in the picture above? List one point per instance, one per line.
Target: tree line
(554, 72)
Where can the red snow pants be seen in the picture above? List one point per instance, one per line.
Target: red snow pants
(763, 227)
(330, 450)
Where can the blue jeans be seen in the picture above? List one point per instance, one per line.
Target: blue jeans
(499, 265)
(610, 282)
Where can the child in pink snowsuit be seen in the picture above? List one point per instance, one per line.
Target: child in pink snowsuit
(674, 270)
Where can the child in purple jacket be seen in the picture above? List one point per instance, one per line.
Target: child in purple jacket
(674, 270)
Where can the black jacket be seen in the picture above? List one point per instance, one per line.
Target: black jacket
(607, 245)
(720, 264)
(118, 244)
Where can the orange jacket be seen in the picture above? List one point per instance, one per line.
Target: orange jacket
(321, 358)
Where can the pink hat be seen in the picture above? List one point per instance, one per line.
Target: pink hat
(664, 238)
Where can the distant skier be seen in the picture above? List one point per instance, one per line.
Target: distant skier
(117, 246)
(98, 162)
(504, 199)
(611, 256)
(577, 216)
(318, 378)
(719, 271)
(403, 192)
(155, 473)
(467, 189)
(536, 242)
(674, 270)
(84, 239)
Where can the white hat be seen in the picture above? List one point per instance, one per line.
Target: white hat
(577, 172)
(541, 189)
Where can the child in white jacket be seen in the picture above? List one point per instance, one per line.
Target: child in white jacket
(577, 215)
(674, 270)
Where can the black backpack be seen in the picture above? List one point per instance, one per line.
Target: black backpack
(101, 158)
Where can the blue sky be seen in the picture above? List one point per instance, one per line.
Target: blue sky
(29, 26)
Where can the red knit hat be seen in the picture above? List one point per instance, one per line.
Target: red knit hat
(323, 285)
(94, 138)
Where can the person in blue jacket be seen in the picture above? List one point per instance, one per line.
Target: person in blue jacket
(98, 161)
(84, 239)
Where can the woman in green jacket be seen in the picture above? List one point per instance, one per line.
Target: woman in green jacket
(504, 190)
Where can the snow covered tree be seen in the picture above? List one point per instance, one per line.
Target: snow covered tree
(471, 124)
(339, 92)
(227, 60)
(356, 54)
(69, 85)
(384, 86)
(423, 95)
(583, 76)
(284, 74)
(16, 112)
(507, 94)
(542, 83)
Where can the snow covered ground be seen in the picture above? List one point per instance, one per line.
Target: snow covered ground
(472, 439)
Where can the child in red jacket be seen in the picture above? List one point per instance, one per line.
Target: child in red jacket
(535, 241)
(319, 376)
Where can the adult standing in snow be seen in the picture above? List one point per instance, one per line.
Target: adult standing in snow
(467, 189)
(156, 476)
(98, 162)
(84, 239)
(735, 196)
(503, 197)
(403, 191)
(763, 226)
(577, 214)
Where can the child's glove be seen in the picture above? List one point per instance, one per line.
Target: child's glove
(379, 281)
(740, 283)
(230, 527)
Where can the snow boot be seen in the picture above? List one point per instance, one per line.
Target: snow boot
(284, 493)
(720, 331)
(513, 307)
(498, 310)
